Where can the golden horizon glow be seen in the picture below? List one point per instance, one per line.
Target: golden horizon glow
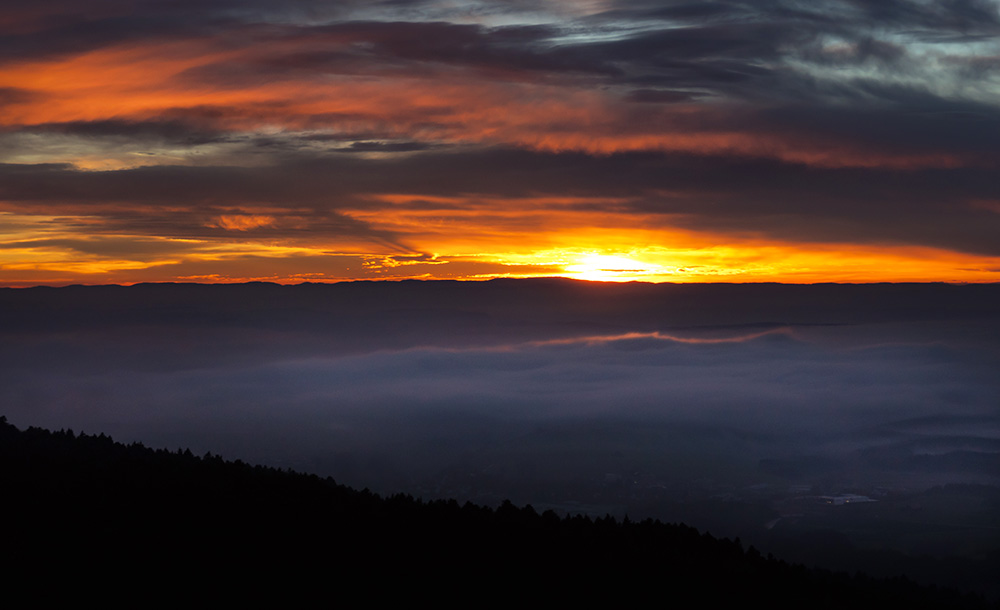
(58, 256)
(606, 267)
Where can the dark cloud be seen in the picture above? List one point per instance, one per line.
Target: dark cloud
(14, 95)
(171, 131)
(367, 146)
(145, 200)
(400, 49)
(716, 52)
(50, 33)
(107, 246)
(950, 20)
(908, 16)
(742, 33)
(753, 44)
(661, 96)
(932, 207)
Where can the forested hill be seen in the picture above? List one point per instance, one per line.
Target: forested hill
(86, 516)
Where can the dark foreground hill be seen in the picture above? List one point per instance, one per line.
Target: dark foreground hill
(86, 517)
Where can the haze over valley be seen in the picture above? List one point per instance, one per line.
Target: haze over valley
(743, 409)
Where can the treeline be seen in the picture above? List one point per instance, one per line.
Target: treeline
(86, 515)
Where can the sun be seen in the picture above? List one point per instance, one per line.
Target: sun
(609, 268)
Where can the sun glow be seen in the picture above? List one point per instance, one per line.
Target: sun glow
(610, 268)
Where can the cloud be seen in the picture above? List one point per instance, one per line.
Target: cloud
(323, 197)
(165, 130)
(242, 222)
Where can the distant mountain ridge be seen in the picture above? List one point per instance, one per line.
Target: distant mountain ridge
(510, 302)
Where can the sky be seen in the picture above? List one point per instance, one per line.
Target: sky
(227, 141)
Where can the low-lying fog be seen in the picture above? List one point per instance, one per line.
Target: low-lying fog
(551, 392)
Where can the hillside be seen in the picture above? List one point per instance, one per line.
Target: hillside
(101, 517)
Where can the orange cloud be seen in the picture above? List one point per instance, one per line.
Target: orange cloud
(242, 222)
(187, 80)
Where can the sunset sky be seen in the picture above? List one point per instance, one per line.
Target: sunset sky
(235, 140)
